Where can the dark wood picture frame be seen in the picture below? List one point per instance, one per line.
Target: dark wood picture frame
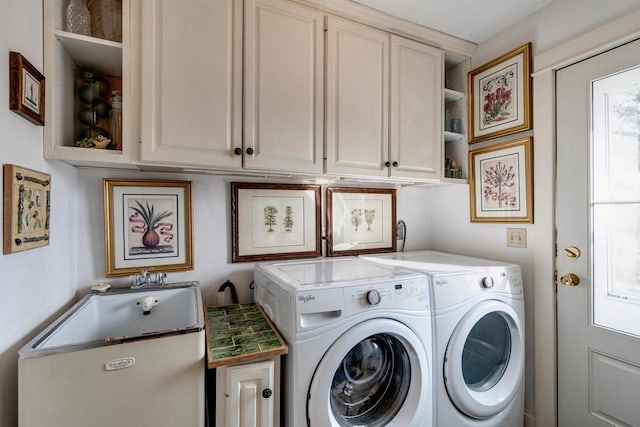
(26, 89)
(352, 207)
(273, 221)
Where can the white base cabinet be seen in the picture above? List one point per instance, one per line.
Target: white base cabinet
(248, 395)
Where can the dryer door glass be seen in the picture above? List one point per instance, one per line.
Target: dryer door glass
(486, 352)
(371, 382)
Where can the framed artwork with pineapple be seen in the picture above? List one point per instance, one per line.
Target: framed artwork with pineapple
(147, 226)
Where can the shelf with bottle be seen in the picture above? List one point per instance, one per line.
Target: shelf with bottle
(84, 62)
(455, 116)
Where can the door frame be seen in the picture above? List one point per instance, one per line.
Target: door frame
(606, 37)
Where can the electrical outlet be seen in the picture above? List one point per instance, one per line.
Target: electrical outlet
(516, 237)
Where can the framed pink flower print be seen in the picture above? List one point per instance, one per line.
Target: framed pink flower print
(500, 182)
(500, 96)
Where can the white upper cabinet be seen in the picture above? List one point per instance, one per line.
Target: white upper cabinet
(283, 87)
(384, 104)
(416, 110)
(357, 99)
(191, 83)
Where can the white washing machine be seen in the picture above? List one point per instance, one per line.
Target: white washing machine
(360, 342)
(479, 337)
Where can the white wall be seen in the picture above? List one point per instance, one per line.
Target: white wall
(36, 284)
(452, 231)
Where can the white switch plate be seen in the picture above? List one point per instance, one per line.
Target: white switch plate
(516, 237)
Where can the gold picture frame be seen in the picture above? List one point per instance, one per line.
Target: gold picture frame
(360, 220)
(501, 182)
(147, 226)
(500, 101)
(26, 89)
(26, 209)
(275, 221)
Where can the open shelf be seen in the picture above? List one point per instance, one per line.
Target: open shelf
(451, 95)
(91, 52)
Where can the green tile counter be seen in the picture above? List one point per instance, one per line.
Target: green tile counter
(240, 333)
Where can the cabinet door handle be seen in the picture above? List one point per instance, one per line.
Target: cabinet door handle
(387, 164)
(395, 164)
(250, 151)
(237, 151)
(266, 393)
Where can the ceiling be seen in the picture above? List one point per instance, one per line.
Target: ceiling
(472, 20)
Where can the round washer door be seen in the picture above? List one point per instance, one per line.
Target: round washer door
(375, 374)
(484, 361)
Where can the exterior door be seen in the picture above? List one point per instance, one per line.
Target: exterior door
(598, 239)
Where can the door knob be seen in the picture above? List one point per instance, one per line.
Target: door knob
(266, 393)
(237, 151)
(395, 164)
(387, 164)
(570, 279)
(250, 151)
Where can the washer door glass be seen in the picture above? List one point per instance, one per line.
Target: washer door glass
(376, 373)
(486, 352)
(484, 360)
(371, 383)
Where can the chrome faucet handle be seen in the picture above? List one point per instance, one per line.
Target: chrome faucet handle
(160, 279)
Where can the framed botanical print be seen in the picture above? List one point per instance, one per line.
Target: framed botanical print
(500, 100)
(275, 221)
(147, 226)
(360, 220)
(26, 89)
(501, 183)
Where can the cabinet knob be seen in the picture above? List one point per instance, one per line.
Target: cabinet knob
(250, 151)
(237, 151)
(395, 164)
(266, 393)
(387, 164)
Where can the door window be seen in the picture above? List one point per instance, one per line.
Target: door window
(371, 382)
(486, 352)
(615, 201)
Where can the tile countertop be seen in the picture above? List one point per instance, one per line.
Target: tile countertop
(240, 333)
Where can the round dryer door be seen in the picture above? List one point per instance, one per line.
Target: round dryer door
(375, 374)
(484, 361)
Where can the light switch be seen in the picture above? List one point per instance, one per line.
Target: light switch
(517, 237)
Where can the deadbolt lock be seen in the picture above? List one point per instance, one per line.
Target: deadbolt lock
(570, 279)
(572, 252)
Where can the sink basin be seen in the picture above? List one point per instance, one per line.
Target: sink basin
(116, 316)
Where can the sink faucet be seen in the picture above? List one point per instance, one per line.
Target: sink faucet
(144, 279)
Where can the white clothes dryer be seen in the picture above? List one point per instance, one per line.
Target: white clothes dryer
(360, 342)
(479, 337)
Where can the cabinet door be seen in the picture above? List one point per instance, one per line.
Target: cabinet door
(416, 110)
(357, 99)
(245, 405)
(284, 86)
(190, 82)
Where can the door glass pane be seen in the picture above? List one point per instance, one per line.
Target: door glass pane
(486, 352)
(371, 383)
(615, 204)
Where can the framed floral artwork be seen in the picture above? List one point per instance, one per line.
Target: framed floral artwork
(26, 209)
(275, 221)
(360, 220)
(26, 89)
(500, 101)
(147, 226)
(501, 183)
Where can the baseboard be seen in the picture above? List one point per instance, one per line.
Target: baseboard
(529, 419)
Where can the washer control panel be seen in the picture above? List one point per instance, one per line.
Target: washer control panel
(410, 294)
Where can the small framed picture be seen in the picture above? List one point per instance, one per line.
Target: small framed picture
(26, 89)
(500, 96)
(275, 221)
(500, 182)
(147, 226)
(26, 209)
(360, 220)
